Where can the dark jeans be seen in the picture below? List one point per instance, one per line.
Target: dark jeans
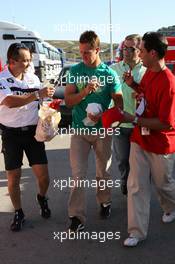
(121, 150)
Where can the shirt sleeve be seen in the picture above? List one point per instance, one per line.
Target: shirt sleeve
(38, 83)
(114, 82)
(167, 104)
(4, 90)
(139, 76)
(71, 77)
(74, 78)
(142, 83)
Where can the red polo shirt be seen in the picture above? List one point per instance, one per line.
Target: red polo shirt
(1, 65)
(159, 92)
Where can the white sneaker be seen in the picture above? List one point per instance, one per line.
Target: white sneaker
(131, 241)
(168, 217)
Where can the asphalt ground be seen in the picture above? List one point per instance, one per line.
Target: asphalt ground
(39, 241)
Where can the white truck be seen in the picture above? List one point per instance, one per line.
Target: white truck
(12, 33)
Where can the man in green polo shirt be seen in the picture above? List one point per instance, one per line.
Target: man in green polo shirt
(90, 82)
(121, 144)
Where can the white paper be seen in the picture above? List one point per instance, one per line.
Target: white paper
(93, 109)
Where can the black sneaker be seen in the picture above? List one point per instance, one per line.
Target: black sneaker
(45, 211)
(124, 188)
(76, 225)
(105, 210)
(17, 221)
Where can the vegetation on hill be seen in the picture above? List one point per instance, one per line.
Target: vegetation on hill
(167, 31)
(72, 49)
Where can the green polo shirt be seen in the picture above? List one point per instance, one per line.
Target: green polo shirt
(79, 75)
(137, 73)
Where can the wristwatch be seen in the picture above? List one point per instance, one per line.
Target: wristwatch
(37, 95)
(135, 121)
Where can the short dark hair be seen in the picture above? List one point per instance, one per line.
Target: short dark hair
(91, 38)
(13, 50)
(155, 41)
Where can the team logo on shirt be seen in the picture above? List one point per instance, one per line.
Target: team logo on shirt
(30, 82)
(20, 91)
(10, 80)
(2, 87)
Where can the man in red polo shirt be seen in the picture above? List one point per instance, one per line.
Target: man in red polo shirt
(1, 65)
(153, 140)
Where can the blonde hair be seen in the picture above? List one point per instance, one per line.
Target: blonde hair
(135, 37)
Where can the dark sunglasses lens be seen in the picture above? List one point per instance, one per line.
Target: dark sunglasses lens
(129, 49)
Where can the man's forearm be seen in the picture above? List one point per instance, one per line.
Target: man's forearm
(135, 86)
(118, 100)
(12, 101)
(151, 123)
(74, 98)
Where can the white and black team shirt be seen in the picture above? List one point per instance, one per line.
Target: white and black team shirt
(19, 116)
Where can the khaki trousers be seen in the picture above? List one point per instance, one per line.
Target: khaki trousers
(79, 151)
(144, 168)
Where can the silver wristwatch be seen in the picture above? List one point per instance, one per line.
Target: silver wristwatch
(37, 95)
(135, 121)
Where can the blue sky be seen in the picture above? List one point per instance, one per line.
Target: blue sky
(57, 19)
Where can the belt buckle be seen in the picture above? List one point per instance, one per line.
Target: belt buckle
(26, 128)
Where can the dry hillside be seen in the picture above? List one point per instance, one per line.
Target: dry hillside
(72, 51)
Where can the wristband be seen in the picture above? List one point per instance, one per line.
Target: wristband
(37, 95)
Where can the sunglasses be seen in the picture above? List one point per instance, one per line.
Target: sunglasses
(129, 49)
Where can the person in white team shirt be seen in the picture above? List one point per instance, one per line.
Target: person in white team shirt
(19, 95)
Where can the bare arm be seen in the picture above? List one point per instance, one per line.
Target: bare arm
(118, 99)
(129, 80)
(72, 98)
(12, 101)
(151, 123)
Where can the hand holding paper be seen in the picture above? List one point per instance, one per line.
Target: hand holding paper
(93, 111)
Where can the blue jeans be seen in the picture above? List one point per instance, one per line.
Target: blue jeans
(121, 150)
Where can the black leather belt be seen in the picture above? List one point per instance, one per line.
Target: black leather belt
(18, 129)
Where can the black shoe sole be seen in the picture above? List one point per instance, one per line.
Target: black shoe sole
(19, 228)
(42, 215)
(105, 216)
(124, 189)
(45, 216)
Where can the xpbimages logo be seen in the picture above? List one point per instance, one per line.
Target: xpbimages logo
(98, 236)
(100, 184)
(101, 132)
(76, 28)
